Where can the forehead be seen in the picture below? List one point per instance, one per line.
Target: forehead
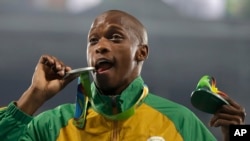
(118, 20)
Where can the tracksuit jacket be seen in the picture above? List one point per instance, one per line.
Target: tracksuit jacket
(153, 119)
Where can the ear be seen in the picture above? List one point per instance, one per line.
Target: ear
(142, 53)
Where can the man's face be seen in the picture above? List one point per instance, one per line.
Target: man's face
(112, 46)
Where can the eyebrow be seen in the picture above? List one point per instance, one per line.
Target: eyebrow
(108, 28)
(117, 27)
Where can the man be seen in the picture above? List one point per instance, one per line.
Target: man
(117, 48)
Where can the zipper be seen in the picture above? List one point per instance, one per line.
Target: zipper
(115, 130)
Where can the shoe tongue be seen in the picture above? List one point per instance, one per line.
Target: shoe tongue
(104, 66)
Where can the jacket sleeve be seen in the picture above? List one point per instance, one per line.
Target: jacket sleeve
(194, 129)
(12, 122)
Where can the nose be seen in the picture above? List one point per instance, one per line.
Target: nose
(102, 46)
(101, 49)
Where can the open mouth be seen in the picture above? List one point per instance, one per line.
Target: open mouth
(103, 65)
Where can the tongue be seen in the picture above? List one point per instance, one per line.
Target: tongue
(104, 66)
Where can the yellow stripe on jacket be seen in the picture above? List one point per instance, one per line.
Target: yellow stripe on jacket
(145, 123)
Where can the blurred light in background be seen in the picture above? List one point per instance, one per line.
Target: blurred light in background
(204, 9)
(72, 6)
(238, 8)
(211, 9)
(200, 9)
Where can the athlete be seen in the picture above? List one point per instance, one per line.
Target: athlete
(120, 106)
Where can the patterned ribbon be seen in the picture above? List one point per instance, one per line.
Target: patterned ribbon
(84, 99)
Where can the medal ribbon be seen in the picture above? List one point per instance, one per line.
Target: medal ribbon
(84, 99)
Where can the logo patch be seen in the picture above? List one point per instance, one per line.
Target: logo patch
(156, 138)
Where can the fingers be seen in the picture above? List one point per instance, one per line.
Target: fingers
(54, 64)
(236, 108)
(222, 119)
(228, 114)
(231, 102)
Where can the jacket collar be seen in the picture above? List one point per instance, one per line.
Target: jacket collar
(123, 104)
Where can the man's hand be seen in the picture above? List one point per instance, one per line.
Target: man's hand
(47, 81)
(232, 114)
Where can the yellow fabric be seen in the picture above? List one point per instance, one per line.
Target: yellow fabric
(136, 128)
(2, 108)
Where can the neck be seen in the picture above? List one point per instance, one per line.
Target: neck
(112, 91)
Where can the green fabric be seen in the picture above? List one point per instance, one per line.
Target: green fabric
(187, 124)
(12, 122)
(46, 126)
(125, 102)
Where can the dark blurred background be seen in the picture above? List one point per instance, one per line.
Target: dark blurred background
(187, 39)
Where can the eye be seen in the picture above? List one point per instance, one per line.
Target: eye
(93, 40)
(116, 37)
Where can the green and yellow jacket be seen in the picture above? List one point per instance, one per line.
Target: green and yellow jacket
(153, 119)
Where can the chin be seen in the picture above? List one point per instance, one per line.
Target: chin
(103, 84)
(107, 88)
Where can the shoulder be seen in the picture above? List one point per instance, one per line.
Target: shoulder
(176, 112)
(166, 106)
(61, 111)
(47, 125)
(181, 116)
(58, 116)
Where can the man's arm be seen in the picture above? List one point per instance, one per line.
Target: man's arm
(47, 81)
